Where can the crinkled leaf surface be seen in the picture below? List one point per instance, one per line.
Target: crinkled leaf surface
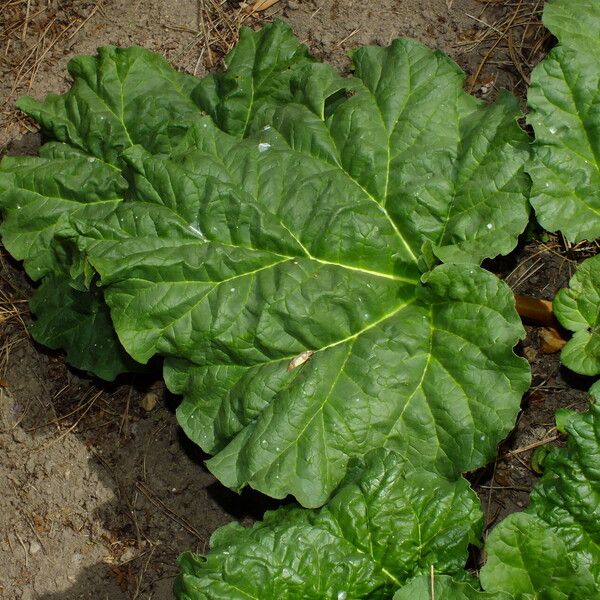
(119, 98)
(39, 195)
(551, 551)
(445, 588)
(385, 524)
(526, 558)
(79, 322)
(564, 102)
(445, 168)
(259, 71)
(568, 496)
(578, 309)
(275, 259)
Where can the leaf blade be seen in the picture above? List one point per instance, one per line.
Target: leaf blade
(564, 100)
(578, 309)
(385, 523)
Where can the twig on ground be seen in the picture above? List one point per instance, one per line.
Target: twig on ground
(515, 488)
(158, 503)
(32, 33)
(513, 33)
(55, 440)
(124, 424)
(259, 5)
(351, 34)
(24, 549)
(140, 577)
(526, 274)
(532, 446)
(491, 489)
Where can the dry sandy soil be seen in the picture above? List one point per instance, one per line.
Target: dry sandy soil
(99, 489)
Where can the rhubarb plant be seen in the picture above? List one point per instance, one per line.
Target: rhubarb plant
(302, 251)
(275, 233)
(79, 321)
(578, 310)
(385, 525)
(392, 527)
(564, 111)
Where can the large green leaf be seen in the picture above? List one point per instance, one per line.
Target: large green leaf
(443, 166)
(385, 524)
(283, 269)
(578, 309)
(223, 271)
(531, 562)
(79, 322)
(564, 102)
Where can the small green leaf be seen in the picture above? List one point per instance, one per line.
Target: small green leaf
(258, 70)
(578, 309)
(120, 97)
(38, 195)
(568, 496)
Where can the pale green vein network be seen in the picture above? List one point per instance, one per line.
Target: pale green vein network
(344, 266)
(318, 412)
(370, 196)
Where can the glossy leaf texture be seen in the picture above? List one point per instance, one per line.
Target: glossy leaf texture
(38, 197)
(430, 587)
(446, 169)
(276, 243)
(119, 98)
(578, 310)
(568, 496)
(386, 523)
(529, 560)
(564, 111)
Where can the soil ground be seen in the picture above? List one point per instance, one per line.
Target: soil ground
(99, 490)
